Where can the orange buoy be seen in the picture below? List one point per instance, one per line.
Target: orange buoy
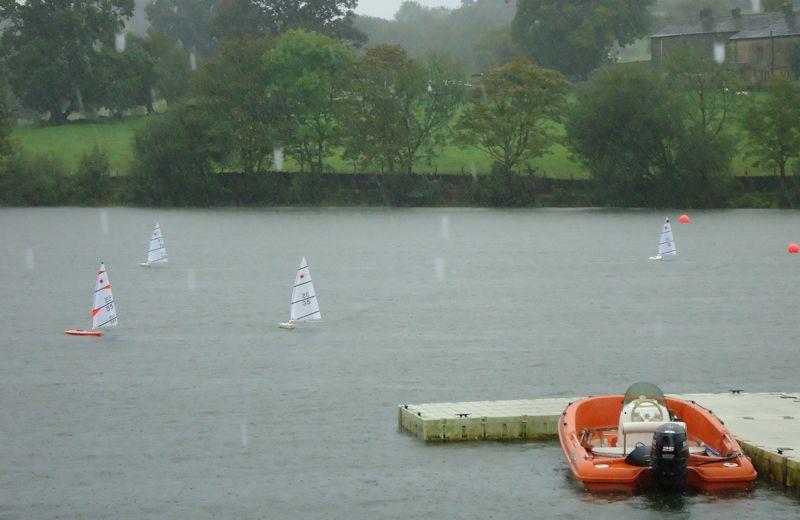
(794, 248)
(684, 219)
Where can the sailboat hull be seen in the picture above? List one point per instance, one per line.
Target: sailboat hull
(73, 332)
(287, 326)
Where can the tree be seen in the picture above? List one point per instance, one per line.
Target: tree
(186, 22)
(635, 134)
(772, 125)
(175, 158)
(254, 18)
(710, 89)
(129, 76)
(511, 113)
(7, 119)
(238, 19)
(395, 110)
(57, 70)
(304, 70)
(472, 34)
(575, 36)
(172, 67)
(234, 86)
(494, 48)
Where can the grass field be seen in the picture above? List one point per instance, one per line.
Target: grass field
(69, 142)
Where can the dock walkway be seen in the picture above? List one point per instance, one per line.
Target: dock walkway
(767, 425)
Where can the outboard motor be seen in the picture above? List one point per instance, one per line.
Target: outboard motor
(669, 455)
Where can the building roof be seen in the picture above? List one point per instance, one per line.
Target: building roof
(747, 26)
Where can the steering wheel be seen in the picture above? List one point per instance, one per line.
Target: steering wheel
(647, 405)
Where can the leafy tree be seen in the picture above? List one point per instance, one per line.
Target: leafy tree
(172, 67)
(773, 125)
(237, 19)
(186, 22)
(128, 78)
(253, 18)
(710, 89)
(494, 48)
(175, 158)
(7, 119)
(575, 36)
(234, 86)
(304, 69)
(511, 113)
(637, 137)
(472, 34)
(58, 70)
(396, 110)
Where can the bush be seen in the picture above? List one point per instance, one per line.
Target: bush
(91, 182)
(33, 181)
(176, 156)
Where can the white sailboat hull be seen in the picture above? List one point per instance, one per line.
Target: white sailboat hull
(664, 257)
(287, 326)
(153, 264)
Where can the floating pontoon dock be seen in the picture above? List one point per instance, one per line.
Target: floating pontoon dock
(767, 425)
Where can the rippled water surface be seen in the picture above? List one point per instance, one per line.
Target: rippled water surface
(198, 406)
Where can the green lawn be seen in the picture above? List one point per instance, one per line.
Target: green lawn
(69, 142)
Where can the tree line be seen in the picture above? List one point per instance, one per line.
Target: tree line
(294, 77)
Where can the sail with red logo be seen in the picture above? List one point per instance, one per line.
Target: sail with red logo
(304, 304)
(104, 310)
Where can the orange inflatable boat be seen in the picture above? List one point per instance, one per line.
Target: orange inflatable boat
(643, 440)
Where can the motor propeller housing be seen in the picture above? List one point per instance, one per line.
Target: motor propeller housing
(669, 456)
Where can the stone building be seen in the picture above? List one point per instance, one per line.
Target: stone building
(759, 46)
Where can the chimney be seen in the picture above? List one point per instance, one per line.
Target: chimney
(788, 13)
(736, 14)
(706, 19)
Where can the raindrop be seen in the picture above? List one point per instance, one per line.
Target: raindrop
(79, 97)
(277, 155)
(191, 280)
(244, 435)
(659, 326)
(104, 221)
(192, 61)
(445, 225)
(719, 52)
(756, 5)
(29, 260)
(438, 266)
(120, 42)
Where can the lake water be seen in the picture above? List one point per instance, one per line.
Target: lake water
(198, 406)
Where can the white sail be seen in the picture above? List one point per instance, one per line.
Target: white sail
(666, 245)
(304, 298)
(104, 312)
(157, 253)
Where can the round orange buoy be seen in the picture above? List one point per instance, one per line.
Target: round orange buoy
(684, 219)
(794, 248)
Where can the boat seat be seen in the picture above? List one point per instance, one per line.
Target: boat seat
(635, 432)
(647, 427)
(616, 451)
